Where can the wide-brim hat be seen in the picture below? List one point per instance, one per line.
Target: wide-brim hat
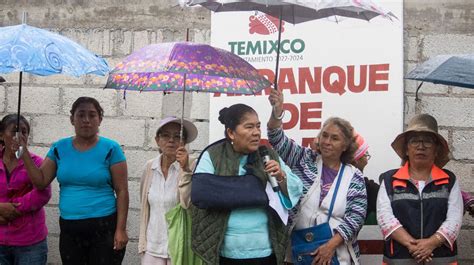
(423, 123)
(189, 127)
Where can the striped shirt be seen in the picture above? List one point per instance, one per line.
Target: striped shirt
(301, 160)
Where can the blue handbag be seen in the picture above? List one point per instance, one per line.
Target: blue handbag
(305, 241)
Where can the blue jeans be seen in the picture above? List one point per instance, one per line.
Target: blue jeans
(36, 254)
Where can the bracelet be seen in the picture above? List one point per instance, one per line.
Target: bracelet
(279, 117)
(281, 180)
(438, 237)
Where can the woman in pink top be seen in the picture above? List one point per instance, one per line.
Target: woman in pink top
(22, 219)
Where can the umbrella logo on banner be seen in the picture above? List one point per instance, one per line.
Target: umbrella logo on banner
(264, 24)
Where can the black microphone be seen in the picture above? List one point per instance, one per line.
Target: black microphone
(262, 150)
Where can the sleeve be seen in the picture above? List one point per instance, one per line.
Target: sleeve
(52, 153)
(286, 148)
(452, 225)
(467, 200)
(116, 154)
(356, 209)
(145, 171)
(386, 219)
(294, 186)
(185, 185)
(204, 164)
(35, 199)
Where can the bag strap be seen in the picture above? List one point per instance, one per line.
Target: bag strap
(335, 190)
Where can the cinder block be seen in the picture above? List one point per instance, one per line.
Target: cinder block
(38, 150)
(133, 224)
(54, 192)
(50, 128)
(140, 39)
(465, 245)
(449, 111)
(122, 42)
(464, 173)
(412, 48)
(54, 258)
(136, 160)
(107, 99)
(426, 88)
(200, 106)
(203, 137)
(462, 91)
(57, 80)
(2, 98)
(463, 143)
(447, 44)
(134, 194)
(131, 255)
(410, 108)
(128, 132)
(144, 104)
(98, 41)
(44, 100)
(52, 219)
(201, 35)
(172, 104)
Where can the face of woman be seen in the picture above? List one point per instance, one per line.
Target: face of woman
(10, 132)
(168, 139)
(246, 137)
(421, 149)
(86, 120)
(331, 142)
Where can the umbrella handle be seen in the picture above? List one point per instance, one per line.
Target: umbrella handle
(20, 150)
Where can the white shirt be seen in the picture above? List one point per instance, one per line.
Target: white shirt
(162, 197)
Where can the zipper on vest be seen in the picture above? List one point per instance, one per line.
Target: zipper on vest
(421, 219)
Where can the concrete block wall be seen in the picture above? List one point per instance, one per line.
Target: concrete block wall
(444, 27)
(113, 29)
(112, 32)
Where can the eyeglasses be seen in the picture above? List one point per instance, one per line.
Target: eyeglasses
(166, 137)
(367, 155)
(426, 141)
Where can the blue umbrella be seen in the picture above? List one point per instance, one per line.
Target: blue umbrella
(451, 70)
(28, 49)
(37, 51)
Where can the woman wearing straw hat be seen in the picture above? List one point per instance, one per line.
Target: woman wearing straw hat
(419, 206)
(159, 189)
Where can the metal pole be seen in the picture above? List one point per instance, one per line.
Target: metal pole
(182, 108)
(275, 81)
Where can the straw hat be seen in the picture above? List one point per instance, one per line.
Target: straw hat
(189, 127)
(423, 123)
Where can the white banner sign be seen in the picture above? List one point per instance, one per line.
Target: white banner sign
(348, 68)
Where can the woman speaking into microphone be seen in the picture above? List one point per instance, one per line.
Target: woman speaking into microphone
(250, 235)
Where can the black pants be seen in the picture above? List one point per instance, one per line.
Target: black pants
(270, 260)
(89, 241)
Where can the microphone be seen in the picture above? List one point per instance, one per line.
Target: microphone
(263, 151)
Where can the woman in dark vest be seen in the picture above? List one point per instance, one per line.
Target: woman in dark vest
(243, 236)
(419, 206)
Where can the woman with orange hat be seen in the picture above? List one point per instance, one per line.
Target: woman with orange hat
(419, 206)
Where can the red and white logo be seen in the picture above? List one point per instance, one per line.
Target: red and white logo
(264, 24)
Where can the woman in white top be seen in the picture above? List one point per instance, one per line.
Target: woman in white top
(159, 190)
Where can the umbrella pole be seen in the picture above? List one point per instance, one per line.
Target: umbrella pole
(17, 134)
(275, 81)
(417, 89)
(181, 133)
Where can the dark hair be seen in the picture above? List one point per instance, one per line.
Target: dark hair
(12, 119)
(348, 134)
(233, 115)
(87, 100)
